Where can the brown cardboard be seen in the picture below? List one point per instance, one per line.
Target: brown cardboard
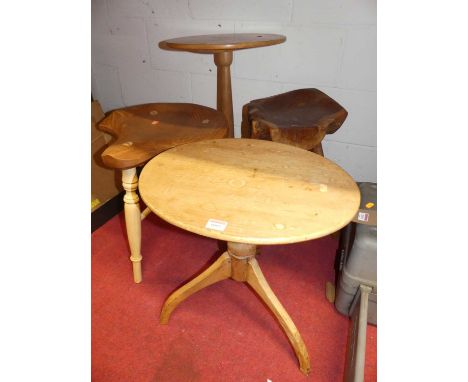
(96, 115)
(105, 182)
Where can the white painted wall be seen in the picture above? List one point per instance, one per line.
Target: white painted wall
(331, 45)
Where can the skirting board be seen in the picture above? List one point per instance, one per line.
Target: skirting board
(107, 211)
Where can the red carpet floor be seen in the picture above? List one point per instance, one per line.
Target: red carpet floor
(222, 333)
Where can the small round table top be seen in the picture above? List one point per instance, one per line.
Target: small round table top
(212, 43)
(249, 191)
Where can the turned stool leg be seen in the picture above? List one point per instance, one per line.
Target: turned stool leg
(133, 219)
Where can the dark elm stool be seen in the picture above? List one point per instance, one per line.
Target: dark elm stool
(299, 118)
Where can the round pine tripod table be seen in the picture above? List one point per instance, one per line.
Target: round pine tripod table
(222, 46)
(248, 192)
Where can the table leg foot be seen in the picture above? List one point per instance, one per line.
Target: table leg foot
(219, 270)
(257, 281)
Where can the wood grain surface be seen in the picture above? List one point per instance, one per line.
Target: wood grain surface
(265, 192)
(212, 43)
(143, 131)
(300, 117)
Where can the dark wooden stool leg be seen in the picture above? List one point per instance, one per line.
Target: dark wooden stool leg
(246, 128)
(318, 149)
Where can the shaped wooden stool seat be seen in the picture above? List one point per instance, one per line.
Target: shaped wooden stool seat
(143, 131)
(299, 118)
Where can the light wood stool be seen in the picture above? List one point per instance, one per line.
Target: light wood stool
(300, 118)
(143, 131)
(248, 192)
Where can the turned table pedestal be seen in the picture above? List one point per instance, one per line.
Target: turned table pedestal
(222, 46)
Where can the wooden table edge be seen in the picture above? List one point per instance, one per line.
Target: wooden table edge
(213, 234)
(216, 48)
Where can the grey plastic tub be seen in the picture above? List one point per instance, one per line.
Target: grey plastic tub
(358, 260)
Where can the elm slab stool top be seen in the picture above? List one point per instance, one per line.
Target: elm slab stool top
(248, 192)
(140, 133)
(222, 46)
(300, 118)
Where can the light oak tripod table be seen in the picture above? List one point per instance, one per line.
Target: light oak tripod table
(248, 192)
(222, 46)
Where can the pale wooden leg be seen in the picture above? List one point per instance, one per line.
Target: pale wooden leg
(133, 219)
(223, 61)
(362, 328)
(258, 282)
(239, 263)
(219, 270)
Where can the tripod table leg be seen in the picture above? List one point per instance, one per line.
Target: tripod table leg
(219, 270)
(257, 281)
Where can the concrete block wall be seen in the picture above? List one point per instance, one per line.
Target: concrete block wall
(331, 45)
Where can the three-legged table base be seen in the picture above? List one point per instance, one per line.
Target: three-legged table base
(239, 263)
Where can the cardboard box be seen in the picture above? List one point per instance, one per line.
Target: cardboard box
(105, 182)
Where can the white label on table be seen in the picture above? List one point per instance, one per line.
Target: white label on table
(363, 216)
(217, 225)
